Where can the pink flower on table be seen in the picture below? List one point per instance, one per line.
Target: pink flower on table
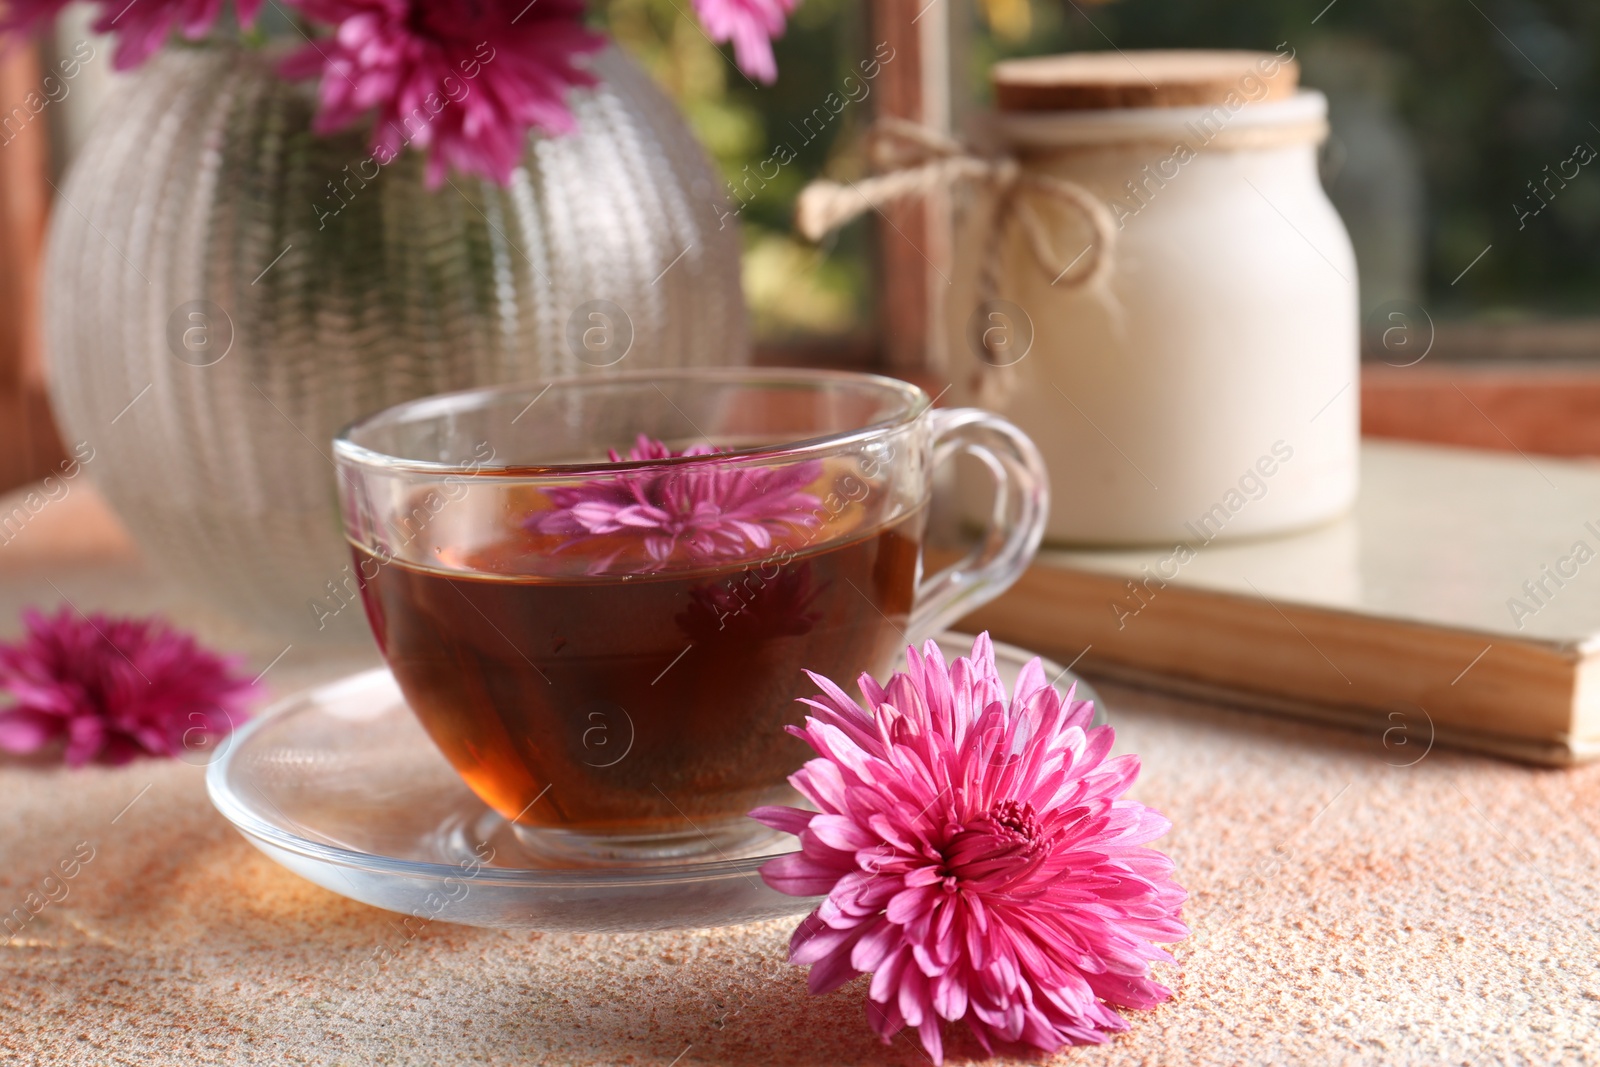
(466, 81)
(751, 25)
(977, 858)
(704, 511)
(113, 688)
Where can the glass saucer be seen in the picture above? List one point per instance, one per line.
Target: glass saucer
(340, 784)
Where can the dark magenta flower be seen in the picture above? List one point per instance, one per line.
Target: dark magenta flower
(466, 81)
(701, 512)
(140, 26)
(20, 17)
(143, 26)
(115, 688)
(751, 25)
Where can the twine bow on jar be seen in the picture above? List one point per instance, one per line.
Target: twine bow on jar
(914, 160)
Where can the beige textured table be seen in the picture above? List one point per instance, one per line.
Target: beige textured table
(1346, 909)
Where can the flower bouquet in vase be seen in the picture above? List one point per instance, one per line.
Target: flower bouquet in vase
(295, 214)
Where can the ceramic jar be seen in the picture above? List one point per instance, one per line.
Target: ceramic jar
(1205, 386)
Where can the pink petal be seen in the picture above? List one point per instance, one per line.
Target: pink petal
(820, 941)
(798, 876)
(841, 833)
(883, 1014)
(784, 819)
(25, 730)
(886, 982)
(949, 996)
(912, 997)
(833, 970)
(877, 941)
(928, 1031)
(909, 904)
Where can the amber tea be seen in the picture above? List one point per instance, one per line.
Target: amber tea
(620, 705)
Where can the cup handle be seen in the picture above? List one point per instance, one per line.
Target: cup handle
(1016, 526)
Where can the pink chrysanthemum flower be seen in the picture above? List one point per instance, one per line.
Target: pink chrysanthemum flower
(465, 81)
(704, 512)
(976, 857)
(24, 17)
(141, 26)
(751, 25)
(114, 688)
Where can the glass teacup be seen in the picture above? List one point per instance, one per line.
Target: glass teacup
(600, 595)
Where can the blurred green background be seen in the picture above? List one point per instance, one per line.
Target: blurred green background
(1446, 115)
(794, 288)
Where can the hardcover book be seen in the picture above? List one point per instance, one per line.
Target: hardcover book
(1459, 602)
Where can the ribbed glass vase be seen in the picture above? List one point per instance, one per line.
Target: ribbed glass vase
(225, 290)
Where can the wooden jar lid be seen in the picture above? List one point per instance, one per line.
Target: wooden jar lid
(1085, 81)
